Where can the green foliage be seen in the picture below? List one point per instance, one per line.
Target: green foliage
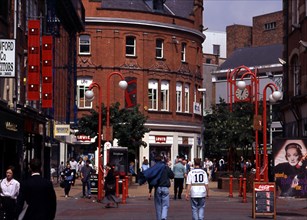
(128, 125)
(224, 129)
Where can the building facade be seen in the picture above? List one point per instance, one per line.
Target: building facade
(157, 46)
(294, 107)
(26, 127)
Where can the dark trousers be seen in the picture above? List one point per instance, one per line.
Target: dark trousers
(67, 187)
(178, 187)
(9, 206)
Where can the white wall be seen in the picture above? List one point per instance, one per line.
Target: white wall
(215, 38)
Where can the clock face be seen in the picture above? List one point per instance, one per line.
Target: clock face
(242, 95)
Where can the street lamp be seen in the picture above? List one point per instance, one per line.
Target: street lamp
(89, 95)
(275, 96)
(123, 85)
(255, 85)
(231, 82)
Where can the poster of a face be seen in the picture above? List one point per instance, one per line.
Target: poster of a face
(290, 167)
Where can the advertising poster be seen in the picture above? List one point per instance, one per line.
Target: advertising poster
(290, 167)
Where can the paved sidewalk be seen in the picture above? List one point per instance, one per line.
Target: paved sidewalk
(218, 206)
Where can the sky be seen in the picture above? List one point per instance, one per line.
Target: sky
(221, 13)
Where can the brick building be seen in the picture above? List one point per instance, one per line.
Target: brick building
(156, 45)
(266, 30)
(26, 126)
(295, 69)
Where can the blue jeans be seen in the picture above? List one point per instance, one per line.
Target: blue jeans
(198, 208)
(88, 185)
(161, 202)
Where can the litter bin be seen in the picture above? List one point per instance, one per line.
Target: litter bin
(94, 183)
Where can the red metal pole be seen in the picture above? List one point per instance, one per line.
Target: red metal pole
(100, 177)
(240, 185)
(127, 186)
(124, 191)
(244, 191)
(272, 86)
(108, 102)
(230, 186)
(117, 186)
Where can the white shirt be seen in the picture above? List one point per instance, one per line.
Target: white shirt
(198, 178)
(10, 189)
(73, 165)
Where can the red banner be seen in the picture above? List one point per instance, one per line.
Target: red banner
(33, 59)
(47, 80)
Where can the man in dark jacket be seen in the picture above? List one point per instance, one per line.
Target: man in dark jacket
(39, 194)
(162, 190)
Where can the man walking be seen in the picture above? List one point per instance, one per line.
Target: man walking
(86, 172)
(162, 190)
(179, 173)
(198, 189)
(38, 193)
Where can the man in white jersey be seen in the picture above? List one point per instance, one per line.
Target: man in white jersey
(198, 189)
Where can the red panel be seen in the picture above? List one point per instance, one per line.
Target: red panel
(47, 81)
(33, 59)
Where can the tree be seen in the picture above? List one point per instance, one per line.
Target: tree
(225, 130)
(128, 125)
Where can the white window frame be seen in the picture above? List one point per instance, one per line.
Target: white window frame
(159, 48)
(186, 98)
(164, 95)
(178, 97)
(183, 52)
(82, 87)
(153, 92)
(84, 42)
(130, 46)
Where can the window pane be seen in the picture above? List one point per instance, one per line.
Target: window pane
(84, 44)
(159, 48)
(130, 46)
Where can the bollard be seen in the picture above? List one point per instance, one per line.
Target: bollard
(244, 191)
(127, 186)
(124, 192)
(117, 186)
(230, 186)
(244, 169)
(240, 185)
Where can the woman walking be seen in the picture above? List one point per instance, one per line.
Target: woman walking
(110, 199)
(68, 176)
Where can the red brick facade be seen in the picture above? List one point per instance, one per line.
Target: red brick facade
(266, 30)
(108, 29)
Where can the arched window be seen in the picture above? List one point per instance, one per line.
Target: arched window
(178, 97)
(153, 94)
(164, 95)
(82, 87)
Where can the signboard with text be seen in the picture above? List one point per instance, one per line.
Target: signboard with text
(7, 58)
(264, 199)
